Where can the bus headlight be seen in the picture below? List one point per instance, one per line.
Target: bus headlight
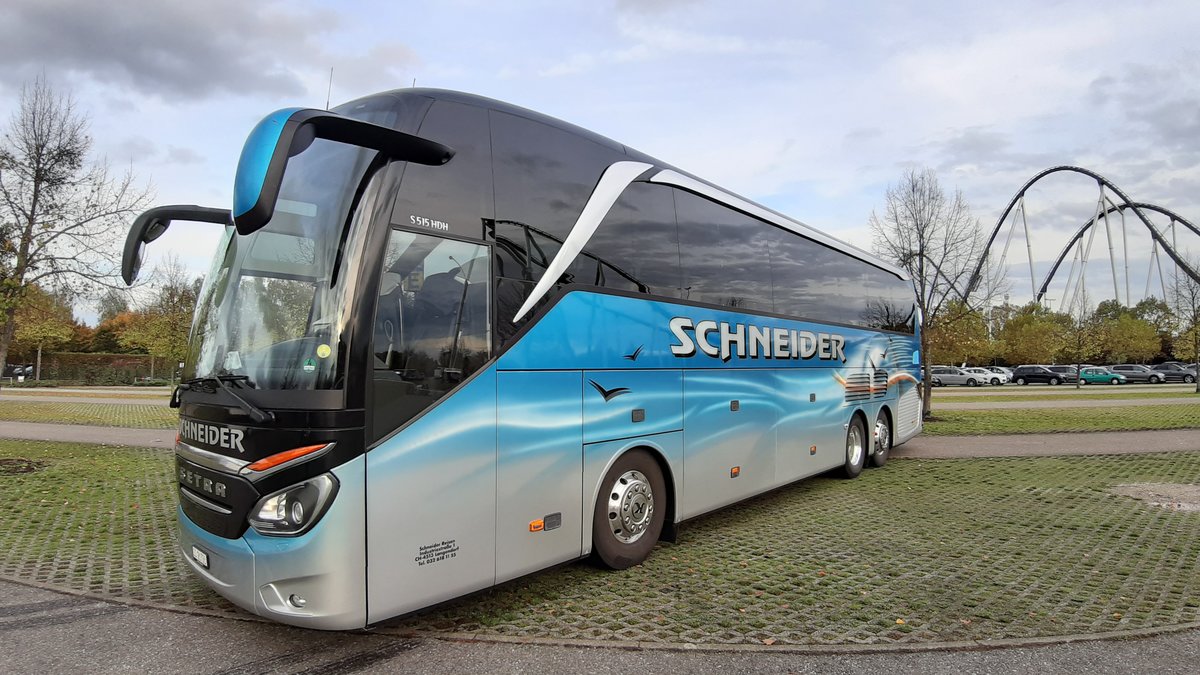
(294, 510)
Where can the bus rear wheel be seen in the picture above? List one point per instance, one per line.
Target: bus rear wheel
(883, 440)
(630, 510)
(856, 448)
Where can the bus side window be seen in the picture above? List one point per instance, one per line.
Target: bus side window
(637, 243)
(724, 255)
(543, 178)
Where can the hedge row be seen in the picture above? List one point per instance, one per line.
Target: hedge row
(99, 368)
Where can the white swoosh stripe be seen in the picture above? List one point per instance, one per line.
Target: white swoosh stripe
(612, 183)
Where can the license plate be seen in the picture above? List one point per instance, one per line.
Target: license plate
(200, 557)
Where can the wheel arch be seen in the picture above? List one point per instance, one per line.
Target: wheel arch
(868, 425)
(886, 409)
(670, 529)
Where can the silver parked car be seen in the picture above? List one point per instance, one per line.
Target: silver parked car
(947, 375)
(1138, 373)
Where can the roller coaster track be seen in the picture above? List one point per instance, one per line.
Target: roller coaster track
(1138, 208)
(1114, 208)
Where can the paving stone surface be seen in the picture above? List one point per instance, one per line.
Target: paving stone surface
(919, 551)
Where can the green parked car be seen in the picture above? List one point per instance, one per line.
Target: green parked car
(1095, 375)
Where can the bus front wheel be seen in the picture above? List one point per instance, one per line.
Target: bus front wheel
(856, 448)
(630, 510)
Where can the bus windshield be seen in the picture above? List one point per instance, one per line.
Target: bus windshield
(271, 310)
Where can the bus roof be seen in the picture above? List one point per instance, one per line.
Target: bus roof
(667, 173)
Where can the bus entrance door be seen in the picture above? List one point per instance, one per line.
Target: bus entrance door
(539, 517)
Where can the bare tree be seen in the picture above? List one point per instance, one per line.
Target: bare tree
(1185, 298)
(62, 216)
(935, 238)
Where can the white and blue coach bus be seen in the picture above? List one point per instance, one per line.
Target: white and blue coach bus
(447, 342)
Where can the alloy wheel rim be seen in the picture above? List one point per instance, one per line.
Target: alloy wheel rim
(882, 436)
(630, 506)
(854, 446)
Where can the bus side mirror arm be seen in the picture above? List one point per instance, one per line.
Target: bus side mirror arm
(153, 223)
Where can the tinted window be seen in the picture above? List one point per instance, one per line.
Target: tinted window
(723, 255)
(817, 282)
(431, 323)
(636, 247)
(543, 178)
(454, 198)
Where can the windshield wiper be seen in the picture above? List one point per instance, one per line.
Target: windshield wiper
(257, 414)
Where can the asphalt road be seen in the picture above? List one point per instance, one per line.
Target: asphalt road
(45, 631)
(1049, 445)
(82, 433)
(1082, 402)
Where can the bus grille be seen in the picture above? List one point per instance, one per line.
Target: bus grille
(880, 384)
(858, 387)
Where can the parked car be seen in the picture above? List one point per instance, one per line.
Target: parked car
(18, 370)
(1176, 372)
(987, 376)
(1068, 373)
(1138, 373)
(1099, 375)
(1036, 375)
(1006, 372)
(946, 375)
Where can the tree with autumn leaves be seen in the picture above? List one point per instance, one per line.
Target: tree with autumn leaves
(63, 214)
(161, 326)
(1032, 333)
(44, 321)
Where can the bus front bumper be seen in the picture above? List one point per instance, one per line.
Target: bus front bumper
(316, 580)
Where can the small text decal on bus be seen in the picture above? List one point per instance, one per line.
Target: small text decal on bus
(432, 553)
(743, 341)
(421, 221)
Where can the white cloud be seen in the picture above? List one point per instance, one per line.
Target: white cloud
(812, 107)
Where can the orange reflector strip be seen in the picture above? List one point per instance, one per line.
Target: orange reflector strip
(735, 472)
(812, 450)
(285, 456)
(537, 525)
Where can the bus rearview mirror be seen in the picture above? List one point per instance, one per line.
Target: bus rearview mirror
(152, 224)
(288, 132)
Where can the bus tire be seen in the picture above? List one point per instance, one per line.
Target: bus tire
(882, 440)
(856, 448)
(630, 510)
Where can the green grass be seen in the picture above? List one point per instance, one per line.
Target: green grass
(137, 415)
(955, 549)
(95, 519)
(1052, 420)
(1086, 395)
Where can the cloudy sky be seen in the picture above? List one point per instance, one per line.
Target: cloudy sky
(810, 107)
